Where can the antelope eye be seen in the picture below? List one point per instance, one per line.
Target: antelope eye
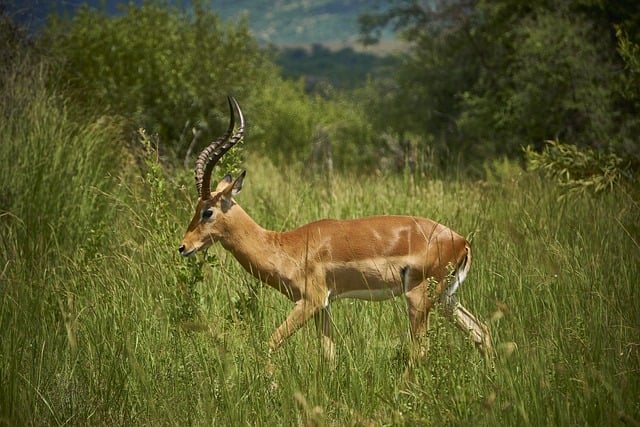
(206, 213)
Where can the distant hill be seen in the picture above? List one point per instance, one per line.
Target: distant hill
(298, 22)
(343, 68)
(317, 40)
(279, 22)
(314, 39)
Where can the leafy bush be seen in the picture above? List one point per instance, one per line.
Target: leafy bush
(578, 170)
(556, 84)
(168, 70)
(289, 125)
(628, 145)
(483, 79)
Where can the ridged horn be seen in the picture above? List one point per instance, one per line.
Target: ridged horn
(214, 152)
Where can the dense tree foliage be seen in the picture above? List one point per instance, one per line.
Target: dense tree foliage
(485, 78)
(167, 69)
(480, 80)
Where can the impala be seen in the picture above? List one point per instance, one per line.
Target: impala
(372, 258)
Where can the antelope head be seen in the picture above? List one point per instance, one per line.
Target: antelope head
(208, 223)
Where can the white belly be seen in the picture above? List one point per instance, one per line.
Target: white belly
(369, 294)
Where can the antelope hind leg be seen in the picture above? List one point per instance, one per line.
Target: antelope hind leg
(469, 324)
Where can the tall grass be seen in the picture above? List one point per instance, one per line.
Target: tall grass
(53, 170)
(103, 323)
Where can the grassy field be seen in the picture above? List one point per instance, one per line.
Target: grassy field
(104, 324)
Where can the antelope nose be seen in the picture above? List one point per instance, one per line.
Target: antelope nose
(181, 249)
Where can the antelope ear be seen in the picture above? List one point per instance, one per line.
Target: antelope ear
(237, 184)
(230, 191)
(224, 182)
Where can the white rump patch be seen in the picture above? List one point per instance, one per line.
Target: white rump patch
(458, 278)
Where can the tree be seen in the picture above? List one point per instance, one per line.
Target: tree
(484, 78)
(169, 70)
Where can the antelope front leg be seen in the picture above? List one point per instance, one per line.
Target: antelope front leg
(302, 312)
(418, 307)
(323, 326)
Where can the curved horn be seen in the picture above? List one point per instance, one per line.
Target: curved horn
(203, 158)
(214, 152)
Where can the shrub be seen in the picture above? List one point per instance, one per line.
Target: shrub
(169, 70)
(576, 169)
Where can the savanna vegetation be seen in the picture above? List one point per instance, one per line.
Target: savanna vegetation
(104, 323)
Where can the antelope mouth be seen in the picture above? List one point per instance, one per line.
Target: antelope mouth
(185, 253)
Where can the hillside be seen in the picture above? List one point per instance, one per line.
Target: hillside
(315, 40)
(280, 22)
(296, 22)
